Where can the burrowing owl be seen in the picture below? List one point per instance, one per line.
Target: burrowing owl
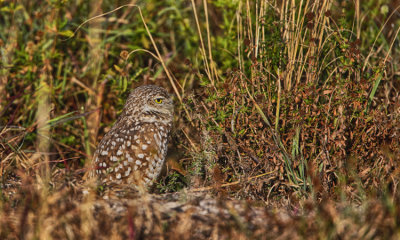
(133, 151)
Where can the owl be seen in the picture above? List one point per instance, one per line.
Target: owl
(133, 151)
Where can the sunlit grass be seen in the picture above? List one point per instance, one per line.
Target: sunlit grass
(291, 104)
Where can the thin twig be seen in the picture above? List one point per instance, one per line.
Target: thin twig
(148, 33)
(202, 189)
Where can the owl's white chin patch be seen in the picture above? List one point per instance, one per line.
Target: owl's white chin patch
(162, 110)
(152, 118)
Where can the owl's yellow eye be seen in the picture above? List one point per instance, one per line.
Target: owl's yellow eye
(158, 100)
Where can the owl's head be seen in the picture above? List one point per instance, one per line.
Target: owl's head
(150, 103)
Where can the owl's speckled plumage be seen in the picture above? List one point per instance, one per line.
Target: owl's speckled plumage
(134, 150)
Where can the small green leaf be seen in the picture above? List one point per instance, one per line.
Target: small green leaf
(67, 33)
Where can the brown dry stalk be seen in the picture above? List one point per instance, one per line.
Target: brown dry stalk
(202, 49)
(93, 120)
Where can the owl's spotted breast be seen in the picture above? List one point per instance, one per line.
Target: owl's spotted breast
(135, 148)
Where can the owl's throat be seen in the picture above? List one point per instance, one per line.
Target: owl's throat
(155, 117)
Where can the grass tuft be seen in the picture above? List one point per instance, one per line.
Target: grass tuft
(287, 117)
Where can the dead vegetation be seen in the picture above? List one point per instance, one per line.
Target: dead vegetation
(287, 121)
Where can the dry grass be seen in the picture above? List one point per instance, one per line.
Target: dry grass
(287, 121)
